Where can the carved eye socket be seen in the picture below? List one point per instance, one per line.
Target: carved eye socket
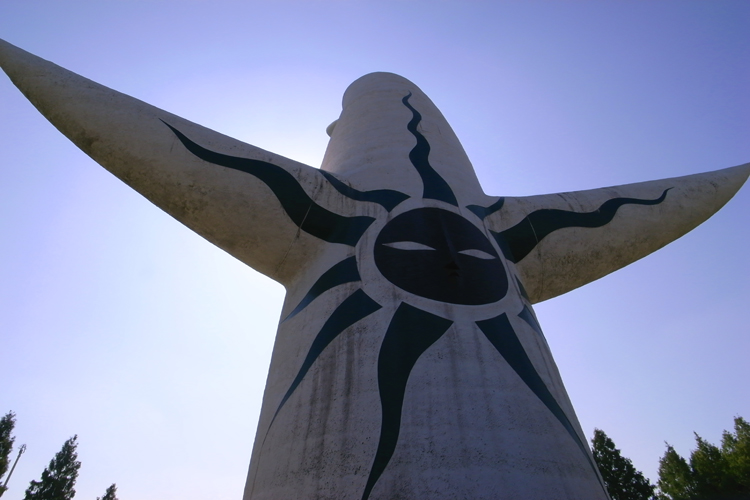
(407, 245)
(475, 252)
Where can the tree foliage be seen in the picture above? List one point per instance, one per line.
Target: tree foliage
(7, 423)
(712, 473)
(621, 478)
(59, 477)
(110, 494)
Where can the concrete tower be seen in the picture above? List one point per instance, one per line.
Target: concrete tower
(408, 361)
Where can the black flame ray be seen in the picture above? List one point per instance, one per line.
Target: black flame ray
(503, 337)
(354, 308)
(387, 198)
(411, 332)
(344, 272)
(518, 241)
(304, 212)
(529, 317)
(483, 212)
(435, 187)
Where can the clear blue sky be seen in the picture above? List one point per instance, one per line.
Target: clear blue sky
(122, 326)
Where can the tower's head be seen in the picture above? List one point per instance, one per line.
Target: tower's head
(379, 128)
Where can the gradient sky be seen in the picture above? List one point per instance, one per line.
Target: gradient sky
(122, 326)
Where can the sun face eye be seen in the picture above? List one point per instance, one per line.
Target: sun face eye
(475, 252)
(408, 245)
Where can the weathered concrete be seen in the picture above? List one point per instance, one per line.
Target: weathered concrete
(408, 362)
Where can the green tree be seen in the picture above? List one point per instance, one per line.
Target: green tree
(736, 449)
(59, 478)
(675, 477)
(621, 478)
(712, 473)
(7, 423)
(110, 494)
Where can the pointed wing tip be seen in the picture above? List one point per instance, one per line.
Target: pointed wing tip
(7, 50)
(733, 178)
(16, 62)
(742, 170)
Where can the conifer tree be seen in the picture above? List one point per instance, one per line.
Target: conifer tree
(7, 423)
(59, 477)
(736, 449)
(712, 473)
(110, 494)
(675, 477)
(621, 478)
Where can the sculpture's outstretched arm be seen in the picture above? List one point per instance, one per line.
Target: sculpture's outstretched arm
(258, 206)
(562, 241)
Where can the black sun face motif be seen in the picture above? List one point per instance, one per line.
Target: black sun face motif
(441, 256)
(429, 252)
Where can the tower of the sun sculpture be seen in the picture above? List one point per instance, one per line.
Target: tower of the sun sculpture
(408, 361)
